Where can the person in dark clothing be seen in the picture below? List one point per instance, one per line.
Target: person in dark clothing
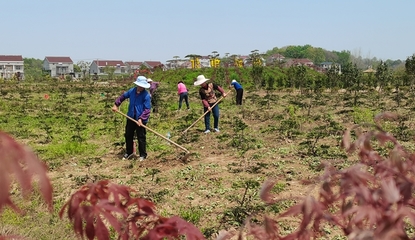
(139, 109)
(208, 96)
(239, 91)
(153, 94)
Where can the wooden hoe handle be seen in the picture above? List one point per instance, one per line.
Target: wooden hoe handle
(151, 130)
(220, 99)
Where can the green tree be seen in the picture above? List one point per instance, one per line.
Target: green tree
(410, 70)
(383, 78)
(257, 68)
(351, 78)
(343, 57)
(33, 69)
(398, 80)
(296, 51)
(272, 51)
(383, 75)
(393, 63)
(110, 71)
(333, 77)
(300, 77)
(84, 67)
(76, 68)
(331, 56)
(315, 54)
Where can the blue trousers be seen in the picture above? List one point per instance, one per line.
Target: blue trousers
(183, 96)
(215, 111)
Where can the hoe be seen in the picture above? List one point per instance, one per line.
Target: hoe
(184, 158)
(220, 99)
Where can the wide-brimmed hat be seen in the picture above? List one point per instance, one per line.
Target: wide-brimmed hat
(200, 79)
(142, 82)
(149, 80)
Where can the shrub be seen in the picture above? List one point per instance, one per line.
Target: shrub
(372, 199)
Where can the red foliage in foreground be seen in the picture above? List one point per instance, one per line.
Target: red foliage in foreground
(96, 206)
(18, 160)
(373, 199)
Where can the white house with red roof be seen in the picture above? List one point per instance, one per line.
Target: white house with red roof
(58, 66)
(131, 66)
(275, 58)
(299, 62)
(98, 67)
(11, 65)
(152, 65)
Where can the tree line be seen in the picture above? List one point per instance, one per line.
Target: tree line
(318, 55)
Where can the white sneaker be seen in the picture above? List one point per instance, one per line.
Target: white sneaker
(207, 131)
(217, 130)
(141, 159)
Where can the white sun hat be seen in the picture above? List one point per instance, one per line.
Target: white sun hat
(200, 79)
(149, 80)
(142, 82)
(233, 81)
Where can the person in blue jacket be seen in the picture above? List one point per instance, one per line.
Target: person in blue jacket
(139, 109)
(239, 91)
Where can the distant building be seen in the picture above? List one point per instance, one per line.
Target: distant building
(205, 62)
(132, 66)
(98, 67)
(275, 58)
(247, 61)
(185, 64)
(299, 62)
(153, 65)
(10, 66)
(177, 63)
(324, 66)
(58, 66)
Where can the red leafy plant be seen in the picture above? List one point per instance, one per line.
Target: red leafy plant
(96, 206)
(20, 163)
(93, 208)
(372, 199)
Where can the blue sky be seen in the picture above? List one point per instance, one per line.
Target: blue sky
(138, 30)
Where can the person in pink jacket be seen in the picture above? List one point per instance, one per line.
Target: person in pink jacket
(183, 95)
